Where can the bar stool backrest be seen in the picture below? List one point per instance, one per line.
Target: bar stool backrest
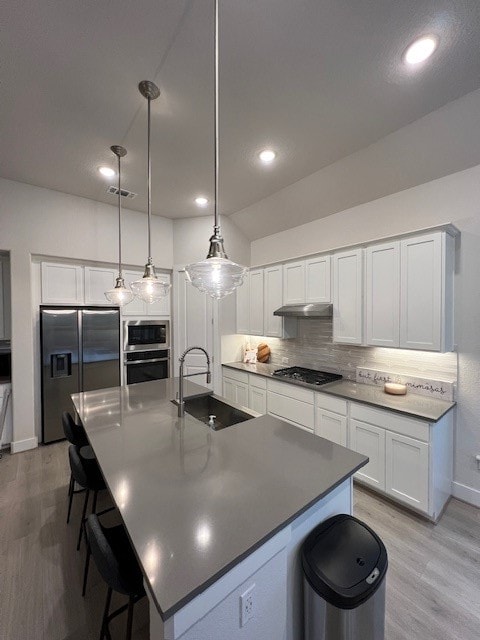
(74, 433)
(107, 563)
(77, 467)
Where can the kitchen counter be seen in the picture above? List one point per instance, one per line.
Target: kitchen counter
(197, 502)
(413, 405)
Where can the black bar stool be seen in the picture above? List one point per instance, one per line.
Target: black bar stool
(86, 473)
(75, 434)
(118, 566)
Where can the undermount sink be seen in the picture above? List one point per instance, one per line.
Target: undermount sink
(225, 414)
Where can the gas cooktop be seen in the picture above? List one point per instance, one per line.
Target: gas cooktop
(307, 376)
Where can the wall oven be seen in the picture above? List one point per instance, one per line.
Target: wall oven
(143, 335)
(143, 366)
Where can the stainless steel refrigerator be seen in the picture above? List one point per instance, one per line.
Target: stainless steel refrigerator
(80, 352)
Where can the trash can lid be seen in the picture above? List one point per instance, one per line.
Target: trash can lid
(344, 561)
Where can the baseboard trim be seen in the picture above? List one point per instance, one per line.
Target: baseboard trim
(466, 494)
(24, 445)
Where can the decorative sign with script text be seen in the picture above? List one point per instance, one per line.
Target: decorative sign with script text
(440, 389)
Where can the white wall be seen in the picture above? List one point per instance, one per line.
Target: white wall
(456, 199)
(443, 142)
(37, 221)
(190, 240)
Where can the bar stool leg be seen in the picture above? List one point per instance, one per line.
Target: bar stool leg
(82, 521)
(94, 503)
(131, 602)
(70, 500)
(104, 630)
(85, 573)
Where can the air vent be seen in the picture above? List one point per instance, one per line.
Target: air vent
(124, 193)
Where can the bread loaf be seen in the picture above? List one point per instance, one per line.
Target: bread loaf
(263, 352)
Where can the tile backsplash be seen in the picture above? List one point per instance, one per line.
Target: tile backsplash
(314, 348)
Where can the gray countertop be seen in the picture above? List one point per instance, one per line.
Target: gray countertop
(195, 502)
(412, 405)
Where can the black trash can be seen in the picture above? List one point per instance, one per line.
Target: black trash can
(344, 564)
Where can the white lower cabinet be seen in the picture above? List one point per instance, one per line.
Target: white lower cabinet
(235, 386)
(257, 393)
(331, 418)
(369, 440)
(410, 459)
(331, 426)
(407, 466)
(294, 404)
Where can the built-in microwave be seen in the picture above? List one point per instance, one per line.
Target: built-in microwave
(142, 335)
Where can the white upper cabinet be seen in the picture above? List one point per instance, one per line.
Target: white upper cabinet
(243, 306)
(273, 282)
(97, 281)
(294, 282)
(317, 279)
(162, 307)
(348, 296)
(62, 283)
(136, 307)
(77, 284)
(307, 281)
(427, 264)
(256, 302)
(139, 308)
(383, 295)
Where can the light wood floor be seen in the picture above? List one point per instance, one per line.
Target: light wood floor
(433, 582)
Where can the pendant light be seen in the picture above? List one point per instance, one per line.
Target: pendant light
(120, 295)
(149, 288)
(217, 275)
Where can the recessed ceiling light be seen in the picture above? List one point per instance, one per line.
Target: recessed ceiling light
(201, 201)
(421, 49)
(107, 172)
(267, 156)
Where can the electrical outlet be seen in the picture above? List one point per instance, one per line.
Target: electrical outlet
(284, 360)
(247, 605)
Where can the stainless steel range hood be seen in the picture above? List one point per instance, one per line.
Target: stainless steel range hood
(313, 310)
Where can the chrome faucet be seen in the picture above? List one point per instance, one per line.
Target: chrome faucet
(181, 376)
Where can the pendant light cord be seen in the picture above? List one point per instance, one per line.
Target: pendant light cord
(119, 221)
(149, 183)
(216, 227)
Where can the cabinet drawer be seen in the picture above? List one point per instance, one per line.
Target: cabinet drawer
(234, 374)
(337, 405)
(293, 410)
(291, 391)
(392, 421)
(257, 381)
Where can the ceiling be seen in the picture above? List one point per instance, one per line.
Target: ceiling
(316, 81)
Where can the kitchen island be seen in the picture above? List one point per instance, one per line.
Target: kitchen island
(211, 513)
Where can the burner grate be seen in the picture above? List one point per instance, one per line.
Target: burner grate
(307, 376)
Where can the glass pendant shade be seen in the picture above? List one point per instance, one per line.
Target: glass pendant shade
(119, 295)
(216, 276)
(149, 288)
